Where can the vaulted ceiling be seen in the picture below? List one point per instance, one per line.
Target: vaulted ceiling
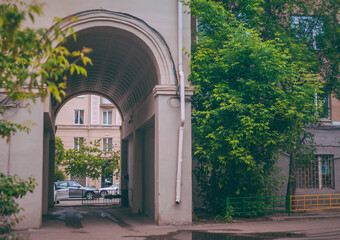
(123, 67)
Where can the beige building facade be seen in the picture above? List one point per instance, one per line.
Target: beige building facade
(90, 118)
(323, 174)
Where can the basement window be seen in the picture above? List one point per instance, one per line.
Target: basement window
(319, 175)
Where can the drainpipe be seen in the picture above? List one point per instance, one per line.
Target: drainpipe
(181, 127)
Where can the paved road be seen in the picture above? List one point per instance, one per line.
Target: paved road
(118, 223)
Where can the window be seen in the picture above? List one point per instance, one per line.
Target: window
(319, 175)
(107, 144)
(105, 101)
(74, 184)
(79, 179)
(308, 28)
(107, 117)
(62, 185)
(325, 101)
(77, 142)
(78, 117)
(325, 107)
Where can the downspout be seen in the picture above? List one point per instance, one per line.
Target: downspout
(182, 103)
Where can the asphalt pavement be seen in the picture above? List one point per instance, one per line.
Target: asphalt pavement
(107, 222)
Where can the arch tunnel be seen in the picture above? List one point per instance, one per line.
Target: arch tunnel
(133, 67)
(135, 57)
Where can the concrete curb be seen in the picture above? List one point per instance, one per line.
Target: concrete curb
(294, 218)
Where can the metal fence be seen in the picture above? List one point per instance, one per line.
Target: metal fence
(263, 204)
(106, 197)
(270, 204)
(68, 197)
(314, 202)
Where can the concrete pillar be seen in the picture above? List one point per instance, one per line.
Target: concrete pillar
(137, 172)
(167, 119)
(124, 180)
(51, 173)
(46, 153)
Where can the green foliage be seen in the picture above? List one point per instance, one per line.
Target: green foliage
(59, 151)
(59, 175)
(313, 42)
(87, 160)
(252, 100)
(31, 66)
(12, 188)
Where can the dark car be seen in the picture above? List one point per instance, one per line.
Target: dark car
(75, 190)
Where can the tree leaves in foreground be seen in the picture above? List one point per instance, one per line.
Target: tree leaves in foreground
(11, 189)
(89, 160)
(309, 29)
(252, 101)
(31, 66)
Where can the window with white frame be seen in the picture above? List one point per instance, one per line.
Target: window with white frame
(319, 175)
(107, 144)
(107, 117)
(326, 106)
(77, 142)
(78, 117)
(324, 98)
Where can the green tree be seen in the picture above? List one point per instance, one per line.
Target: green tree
(309, 31)
(87, 160)
(313, 41)
(252, 101)
(31, 67)
(12, 188)
(59, 156)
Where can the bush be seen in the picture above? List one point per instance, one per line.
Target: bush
(59, 175)
(12, 188)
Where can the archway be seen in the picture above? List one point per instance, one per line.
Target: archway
(133, 68)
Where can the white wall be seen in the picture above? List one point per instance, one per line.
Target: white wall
(24, 156)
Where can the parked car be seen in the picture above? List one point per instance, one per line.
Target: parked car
(112, 190)
(60, 194)
(71, 189)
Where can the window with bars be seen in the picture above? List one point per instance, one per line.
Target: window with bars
(319, 175)
(78, 117)
(107, 144)
(77, 142)
(107, 117)
(79, 179)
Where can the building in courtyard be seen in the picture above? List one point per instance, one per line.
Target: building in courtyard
(90, 118)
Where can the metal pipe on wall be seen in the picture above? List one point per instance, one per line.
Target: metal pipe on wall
(182, 104)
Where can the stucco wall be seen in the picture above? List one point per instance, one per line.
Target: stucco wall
(327, 139)
(24, 156)
(159, 14)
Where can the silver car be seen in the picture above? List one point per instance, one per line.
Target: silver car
(112, 190)
(74, 190)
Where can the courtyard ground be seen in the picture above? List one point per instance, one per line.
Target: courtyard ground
(96, 223)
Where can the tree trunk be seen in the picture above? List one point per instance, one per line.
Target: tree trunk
(291, 187)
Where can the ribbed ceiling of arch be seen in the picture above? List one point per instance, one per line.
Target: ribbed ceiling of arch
(123, 67)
